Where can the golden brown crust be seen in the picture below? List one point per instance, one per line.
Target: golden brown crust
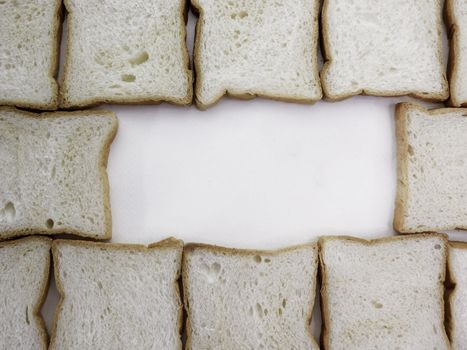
(169, 243)
(44, 287)
(454, 56)
(325, 314)
(53, 68)
(104, 155)
(190, 247)
(402, 194)
(133, 100)
(198, 11)
(369, 92)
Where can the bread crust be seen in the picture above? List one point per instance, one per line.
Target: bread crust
(454, 56)
(326, 44)
(325, 314)
(169, 243)
(44, 287)
(134, 100)
(53, 68)
(190, 247)
(104, 155)
(402, 193)
(197, 9)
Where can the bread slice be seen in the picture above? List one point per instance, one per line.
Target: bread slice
(248, 299)
(126, 52)
(256, 48)
(24, 281)
(456, 15)
(432, 168)
(117, 296)
(383, 48)
(29, 49)
(457, 301)
(53, 173)
(383, 294)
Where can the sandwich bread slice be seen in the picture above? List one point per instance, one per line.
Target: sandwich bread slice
(248, 299)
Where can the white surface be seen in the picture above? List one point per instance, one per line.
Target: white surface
(253, 174)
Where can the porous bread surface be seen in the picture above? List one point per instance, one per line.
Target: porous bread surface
(384, 295)
(457, 14)
(117, 297)
(383, 47)
(24, 271)
(28, 53)
(432, 175)
(254, 47)
(126, 51)
(458, 298)
(249, 300)
(53, 173)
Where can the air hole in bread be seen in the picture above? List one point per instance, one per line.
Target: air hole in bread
(377, 305)
(258, 259)
(410, 150)
(284, 303)
(259, 310)
(140, 58)
(267, 260)
(437, 246)
(49, 223)
(128, 78)
(8, 212)
(27, 315)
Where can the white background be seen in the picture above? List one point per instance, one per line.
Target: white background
(252, 174)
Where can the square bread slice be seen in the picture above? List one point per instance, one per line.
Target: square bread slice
(24, 281)
(383, 294)
(53, 173)
(248, 299)
(456, 15)
(432, 169)
(256, 48)
(457, 300)
(383, 48)
(29, 49)
(126, 52)
(117, 296)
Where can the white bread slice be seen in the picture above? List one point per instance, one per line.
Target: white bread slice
(457, 300)
(126, 52)
(53, 173)
(29, 49)
(383, 48)
(24, 281)
(456, 15)
(247, 299)
(383, 294)
(117, 296)
(432, 169)
(256, 48)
